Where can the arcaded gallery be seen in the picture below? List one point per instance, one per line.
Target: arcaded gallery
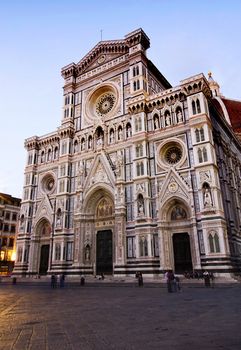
(138, 175)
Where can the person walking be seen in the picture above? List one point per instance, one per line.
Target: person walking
(140, 279)
(53, 281)
(169, 275)
(206, 277)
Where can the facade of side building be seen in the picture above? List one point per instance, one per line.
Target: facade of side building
(139, 176)
(9, 213)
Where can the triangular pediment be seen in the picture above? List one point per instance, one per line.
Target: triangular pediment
(100, 172)
(44, 210)
(173, 186)
(102, 53)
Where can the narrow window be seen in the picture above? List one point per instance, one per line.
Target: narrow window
(197, 133)
(202, 134)
(194, 111)
(216, 243)
(198, 106)
(205, 155)
(211, 243)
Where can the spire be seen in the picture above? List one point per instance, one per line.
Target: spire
(215, 88)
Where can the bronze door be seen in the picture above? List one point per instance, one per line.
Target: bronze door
(182, 252)
(104, 259)
(44, 259)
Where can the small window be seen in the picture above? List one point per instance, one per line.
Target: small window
(194, 110)
(214, 245)
(205, 155)
(139, 150)
(56, 152)
(131, 247)
(57, 251)
(202, 134)
(197, 133)
(49, 155)
(198, 106)
(143, 246)
(42, 157)
(140, 169)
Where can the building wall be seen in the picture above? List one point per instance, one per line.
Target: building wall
(132, 172)
(9, 212)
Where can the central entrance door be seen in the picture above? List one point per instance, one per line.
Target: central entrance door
(182, 252)
(104, 259)
(44, 259)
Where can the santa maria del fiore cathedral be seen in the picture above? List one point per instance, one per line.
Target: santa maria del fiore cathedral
(139, 175)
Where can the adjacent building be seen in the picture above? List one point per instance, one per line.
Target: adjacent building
(9, 212)
(138, 176)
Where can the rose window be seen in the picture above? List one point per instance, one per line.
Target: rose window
(105, 104)
(173, 155)
(48, 183)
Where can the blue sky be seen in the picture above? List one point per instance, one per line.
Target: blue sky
(38, 38)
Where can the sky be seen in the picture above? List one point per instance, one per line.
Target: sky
(38, 38)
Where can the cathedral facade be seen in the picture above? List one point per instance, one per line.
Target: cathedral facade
(139, 176)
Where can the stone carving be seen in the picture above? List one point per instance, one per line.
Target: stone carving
(207, 199)
(205, 176)
(173, 187)
(119, 164)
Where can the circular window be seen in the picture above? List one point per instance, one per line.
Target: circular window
(105, 103)
(102, 102)
(48, 183)
(173, 154)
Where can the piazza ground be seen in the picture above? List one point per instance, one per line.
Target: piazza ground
(102, 316)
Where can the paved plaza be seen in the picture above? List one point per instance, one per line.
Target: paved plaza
(119, 316)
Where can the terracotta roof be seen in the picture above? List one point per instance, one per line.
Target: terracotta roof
(234, 111)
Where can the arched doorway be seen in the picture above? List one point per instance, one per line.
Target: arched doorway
(44, 231)
(104, 237)
(182, 252)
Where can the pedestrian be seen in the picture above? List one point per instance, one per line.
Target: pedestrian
(206, 277)
(212, 278)
(53, 281)
(61, 280)
(140, 280)
(170, 280)
(82, 280)
(177, 282)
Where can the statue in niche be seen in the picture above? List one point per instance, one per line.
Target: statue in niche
(178, 213)
(156, 123)
(82, 145)
(119, 164)
(140, 206)
(120, 134)
(59, 218)
(168, 120)
(207, 199)
(179, 116)
(111, 136)
(128, 131)
(80, 174)
(87, 253)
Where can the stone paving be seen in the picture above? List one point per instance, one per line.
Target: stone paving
(107, 317)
